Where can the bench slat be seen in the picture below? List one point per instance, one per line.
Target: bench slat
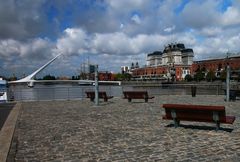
(194, 107)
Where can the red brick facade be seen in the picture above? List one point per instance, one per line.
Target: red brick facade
(159, 71)
(217, 64)
(210, 65)
(106, 76)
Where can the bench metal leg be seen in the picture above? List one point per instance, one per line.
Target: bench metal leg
(216, 119)
(217, 125)
(92, 99)
(174, 116)
(129, 99)
(146, 99)
(176, 123)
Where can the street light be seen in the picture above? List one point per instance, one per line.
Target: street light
(227, 80)
(96, 86)
(171, 68)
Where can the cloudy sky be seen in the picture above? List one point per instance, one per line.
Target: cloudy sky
(110, 33)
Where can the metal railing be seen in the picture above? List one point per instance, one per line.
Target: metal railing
(78, 92)
(55, 93)
(179, 89)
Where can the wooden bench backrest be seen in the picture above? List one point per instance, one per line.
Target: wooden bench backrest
(91, 94)
(135, 94)
(195, 112)
(102, 94)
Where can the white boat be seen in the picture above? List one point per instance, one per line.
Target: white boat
(3, 90)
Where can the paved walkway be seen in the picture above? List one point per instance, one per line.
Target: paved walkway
(121, 131)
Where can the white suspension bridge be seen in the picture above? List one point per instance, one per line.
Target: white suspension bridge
(30, 78)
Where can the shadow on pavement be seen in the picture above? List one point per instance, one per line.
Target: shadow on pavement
(5, 109)
(209, 128)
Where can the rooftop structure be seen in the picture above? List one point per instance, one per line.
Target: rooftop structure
(173, 54)
(174, 63)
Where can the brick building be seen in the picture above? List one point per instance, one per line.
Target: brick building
(217, 64)
(106, 76)
(175, 62)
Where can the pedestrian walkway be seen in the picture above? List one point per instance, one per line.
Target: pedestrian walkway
(121, 131)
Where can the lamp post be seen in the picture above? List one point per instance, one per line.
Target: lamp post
(227, 81)
(172, 69)
(96, 86)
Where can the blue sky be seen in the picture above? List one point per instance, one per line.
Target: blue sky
(111, 33)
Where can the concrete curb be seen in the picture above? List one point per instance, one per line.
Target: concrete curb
(6, 134)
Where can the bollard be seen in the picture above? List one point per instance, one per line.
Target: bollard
(193, 91)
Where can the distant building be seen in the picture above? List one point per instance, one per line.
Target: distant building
(106, 76)
(125, 69)
(87, 70)
(217, 65)
(176, 61)
(173, 54)
(134, 66)
(173, 63)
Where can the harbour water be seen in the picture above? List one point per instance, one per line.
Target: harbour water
(71, 91)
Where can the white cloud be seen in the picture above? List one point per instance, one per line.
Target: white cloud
(214, 47)
(113, 43)
(231, 16)
(211, 31)
(38, 46)
(21, 19)
(76, 41)
(126, 5)
(170, 29)
(9, 47)
(233, 43)
(73, 42)
(202, 14)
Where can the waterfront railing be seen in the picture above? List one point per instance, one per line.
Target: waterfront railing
(53, 93)
(78, 92)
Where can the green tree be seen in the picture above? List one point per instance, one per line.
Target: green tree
(119, 77)
(125, 76)
(188, 78)
(199, 75)
(210, 76)
(75, 77)
(12, 78)
(223, 75)
(49, 77)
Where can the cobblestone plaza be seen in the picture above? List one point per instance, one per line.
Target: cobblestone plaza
(121, 131)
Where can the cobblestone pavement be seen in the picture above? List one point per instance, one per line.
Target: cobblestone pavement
(122, 131)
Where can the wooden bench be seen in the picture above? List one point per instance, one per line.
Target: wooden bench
(91, 95)
(136, 95)
(199, 113)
